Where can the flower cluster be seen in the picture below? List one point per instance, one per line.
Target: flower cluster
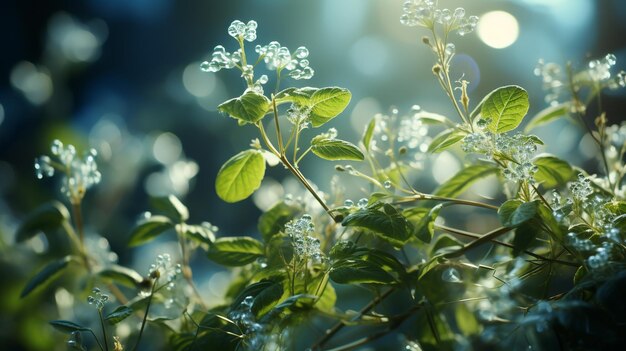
(424, 13)
(240, 30)
(305, 245)
(80, 173)
(99, 299)
(276, 57)
(220, 59)
(517, 150)
(279, 57)
(597, 74)
(299, 115)
(402, 133)
(164, 267)
(581, 188)
(246, 321)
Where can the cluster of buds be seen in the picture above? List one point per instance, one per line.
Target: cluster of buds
(80, 174)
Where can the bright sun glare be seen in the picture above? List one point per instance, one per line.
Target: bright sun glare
(498, 29)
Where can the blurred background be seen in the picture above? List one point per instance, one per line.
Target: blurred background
(123, 76)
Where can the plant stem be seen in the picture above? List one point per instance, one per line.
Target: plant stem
(395, 324)
(279, 135)
(145, 316)
(187, 273)
(337, 327)
(501, 243)
(104, 333)
(422, 197)
(97, 340)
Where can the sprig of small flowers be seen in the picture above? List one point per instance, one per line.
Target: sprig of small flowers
(306, 246)
(560, 83)
(80, 174)
(276, 57)
(513, 153)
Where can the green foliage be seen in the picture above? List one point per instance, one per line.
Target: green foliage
(240, 176)
(119, 314)
(464, 178)
(273, 220)
(46, 217)
(446, 139)
(547, 115)
(552, 171)
(513, 213)
(48, 273)
(67, 326)
(335, 149)
(385, 221)
(148, 229)
(455, 274)
(171, 207)
(248, 108)
(235, 251)
(122, 275)
(505, 108)
(325, 103)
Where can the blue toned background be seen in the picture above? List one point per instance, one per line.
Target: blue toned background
(123, 76)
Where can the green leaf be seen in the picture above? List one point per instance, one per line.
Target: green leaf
(327, 103)
(235, 250)
(266, 294)
(368, 134)
(48, 273)
(46, 217)
(248, 108)
(360, 272)
(240, 176)
(548, 115)
(122, 275)
(433, 118)
(514, 212)
(553, 171)
(388, 224)
(506, 107)
(149, 229)
(335, 149)
(466, 320)
(464, 178)
(118, 314)
(199, 233)
(425, 228)
(445, 139)
(274, 220)
(67, 326)
(171, 207)
(581, 272)
(445, 243)
(524, 236)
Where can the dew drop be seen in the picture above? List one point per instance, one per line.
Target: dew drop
(362, 203)
(205, 66)
(387, 184)
(451, 275)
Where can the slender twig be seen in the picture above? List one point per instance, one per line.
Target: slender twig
(145, 316)
(426, 197)
(104, 332)
(501, 243)
(187, 273)
(279, 135)
(97, 340)
(337, 327)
